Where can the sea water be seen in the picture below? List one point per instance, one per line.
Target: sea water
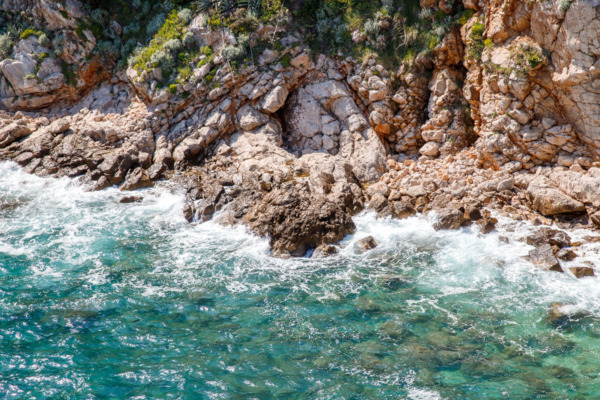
(102, 300)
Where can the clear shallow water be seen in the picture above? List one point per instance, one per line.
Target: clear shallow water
(106, 300)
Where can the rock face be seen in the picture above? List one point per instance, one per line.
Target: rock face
(502, 114)
(34, 76)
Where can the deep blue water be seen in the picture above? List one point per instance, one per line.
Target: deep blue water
(104, 300)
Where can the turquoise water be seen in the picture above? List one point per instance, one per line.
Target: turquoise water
(104, 300)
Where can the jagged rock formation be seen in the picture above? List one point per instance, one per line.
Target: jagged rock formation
(502, 113)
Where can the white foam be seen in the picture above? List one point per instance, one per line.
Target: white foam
(71, 225)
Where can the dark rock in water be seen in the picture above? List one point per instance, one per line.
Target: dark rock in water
(566, 255)
(297, 223)
(487, 225)
(450, 219)
(325, 250)
(582, 272)
(393, 329)
(131, 199)
(474, 214)
(549, 236)
(188, 212)
(367, 305)
(544, 257)
(393, 282)
(503, 239)
(555, 312)
(367, 243)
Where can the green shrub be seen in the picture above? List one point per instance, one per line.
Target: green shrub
(564, 5)
(31, 32)
(43, 40)
(528, 57)
(6, 44)
(233, 52)
(465, 16)
(185, 73)
(189, 40)
(285, 60)
(477, 43)
(173, 89)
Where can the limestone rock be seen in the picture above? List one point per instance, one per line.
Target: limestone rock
(366, 244)
(549, 200)
(544, 258)
(450, 219)
(582, 272)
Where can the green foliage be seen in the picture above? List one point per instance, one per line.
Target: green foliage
(30, 32)
(67, 71)
(285, 60)
(173, 88)
(165, 41)
(465, 16)
(43, 40)
(528, 57)
(269, 9)
(6, 44)
(564, 5)
(207, 51)
(477, 43)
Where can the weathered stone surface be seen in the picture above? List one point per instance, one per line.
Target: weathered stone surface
(582, 272)
(450, 219)
(366, 244)
(549, 200)
(549, 236)
(544, 258)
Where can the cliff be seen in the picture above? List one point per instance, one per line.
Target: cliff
(290, 118)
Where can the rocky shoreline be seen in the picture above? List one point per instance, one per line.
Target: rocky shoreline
(294, 144)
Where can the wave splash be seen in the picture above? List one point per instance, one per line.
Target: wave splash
(101, 298)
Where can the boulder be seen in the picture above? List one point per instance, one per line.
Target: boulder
(250, 118)
(324, 251)
(582, 272)
(431, 149)
(137, 179)
(549, 200)
(274, 100)
(131, 199)
(487, 225)
(402, 209)
(566, 255)
(549, 236)
(366, 244)
(449, 219)
(543, 256)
